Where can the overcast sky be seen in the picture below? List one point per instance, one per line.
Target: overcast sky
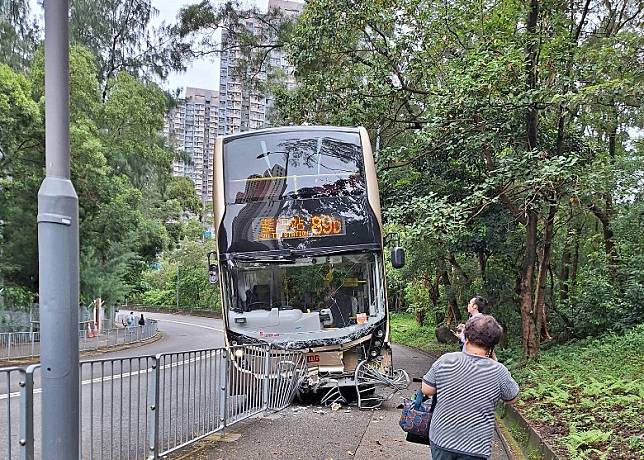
(202, 73)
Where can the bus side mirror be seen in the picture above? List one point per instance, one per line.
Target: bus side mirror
(213, 273)
(398, 257)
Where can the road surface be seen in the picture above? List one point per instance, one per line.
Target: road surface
(114, 390)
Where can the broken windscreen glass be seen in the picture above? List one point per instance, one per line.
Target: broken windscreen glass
(295, 164)
(306, 294)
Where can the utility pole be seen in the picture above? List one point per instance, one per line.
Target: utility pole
(58, 250)
(177, 285)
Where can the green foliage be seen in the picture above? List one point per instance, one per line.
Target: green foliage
(405, 330)
(581, 444)
(120, 167)
(15, 298)
(591, 391)
(182, 189)
(18, 33)
(183, 272)
(120, 35)
(450, 93)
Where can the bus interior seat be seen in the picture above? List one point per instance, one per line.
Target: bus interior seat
(262, 291)
(341, 309)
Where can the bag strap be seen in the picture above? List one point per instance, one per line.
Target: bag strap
(434, 399)
(418, 400)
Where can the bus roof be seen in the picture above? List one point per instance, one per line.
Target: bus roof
(284, 129)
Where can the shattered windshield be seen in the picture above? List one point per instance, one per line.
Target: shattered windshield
(293, 164)
(306, 294)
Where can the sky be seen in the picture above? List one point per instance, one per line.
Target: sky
(202, 73)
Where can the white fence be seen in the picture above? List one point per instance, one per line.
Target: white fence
(148, 406)
(15, 345)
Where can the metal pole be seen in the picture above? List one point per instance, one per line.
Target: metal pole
(27, 413)
(177, 285)
(58, 251)
(154, 409)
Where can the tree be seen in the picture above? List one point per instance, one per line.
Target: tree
(20, 175)
(480, 114)
(18, 33)
(119, 34)
(182, 189)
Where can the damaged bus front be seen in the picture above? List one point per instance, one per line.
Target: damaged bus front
(300, 251)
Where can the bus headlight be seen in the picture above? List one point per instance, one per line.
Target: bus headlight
(377, 344)
(374, 353)
(380, 333)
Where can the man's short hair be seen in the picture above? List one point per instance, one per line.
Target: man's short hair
(484, 331)
(481, 303)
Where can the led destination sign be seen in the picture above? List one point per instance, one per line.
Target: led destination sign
(271, 228)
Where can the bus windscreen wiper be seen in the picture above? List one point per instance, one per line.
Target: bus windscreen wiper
(267, 260)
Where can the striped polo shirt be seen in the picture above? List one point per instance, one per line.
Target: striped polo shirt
(467, 390)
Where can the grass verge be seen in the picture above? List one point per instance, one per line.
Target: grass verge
(587, 398)
(406, 331)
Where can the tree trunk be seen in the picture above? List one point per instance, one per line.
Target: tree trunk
(574, 266)
(420, 317)
(453, 313)
(546, 250)
(530, 333)
(482, 254)
(604, 216)
(466, 281)
(564, 274)
(434, 296)
(530, 337)
(553, 304)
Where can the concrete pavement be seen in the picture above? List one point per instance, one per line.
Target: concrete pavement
(316, 433)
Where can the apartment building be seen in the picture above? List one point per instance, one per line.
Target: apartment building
(192, 128)
(243, 107)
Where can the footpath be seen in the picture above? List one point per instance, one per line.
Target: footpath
(319, 433)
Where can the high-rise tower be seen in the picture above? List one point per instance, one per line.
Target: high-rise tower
(191, 127)
(241, 106)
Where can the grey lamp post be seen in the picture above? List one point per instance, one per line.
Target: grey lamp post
(58, 251)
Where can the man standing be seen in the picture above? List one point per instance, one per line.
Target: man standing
(476, 306)
(468, 386)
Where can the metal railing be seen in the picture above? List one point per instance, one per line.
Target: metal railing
(148, 406)
(14, 345)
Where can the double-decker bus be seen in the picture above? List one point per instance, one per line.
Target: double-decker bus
(300, 250)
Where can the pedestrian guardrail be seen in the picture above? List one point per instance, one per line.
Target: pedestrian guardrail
(148, 406)
(14, 345)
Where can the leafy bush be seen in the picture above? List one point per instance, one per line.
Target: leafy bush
(590, 394)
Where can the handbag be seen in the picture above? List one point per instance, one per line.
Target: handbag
(416, 417)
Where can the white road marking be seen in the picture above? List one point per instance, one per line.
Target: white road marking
(126, 374)
(190, 324)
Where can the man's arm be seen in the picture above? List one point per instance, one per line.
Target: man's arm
(428, 390)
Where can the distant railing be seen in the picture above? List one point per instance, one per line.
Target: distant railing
(14, 345)
(145, 407)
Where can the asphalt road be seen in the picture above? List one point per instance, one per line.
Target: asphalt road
(116, 389)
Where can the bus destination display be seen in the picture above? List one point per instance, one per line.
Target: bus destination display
(272, 228)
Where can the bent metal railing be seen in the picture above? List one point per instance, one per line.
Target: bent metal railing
(148, 406)
(15, 345)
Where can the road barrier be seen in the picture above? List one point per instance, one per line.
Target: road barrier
(148, 406)
(14, 345)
